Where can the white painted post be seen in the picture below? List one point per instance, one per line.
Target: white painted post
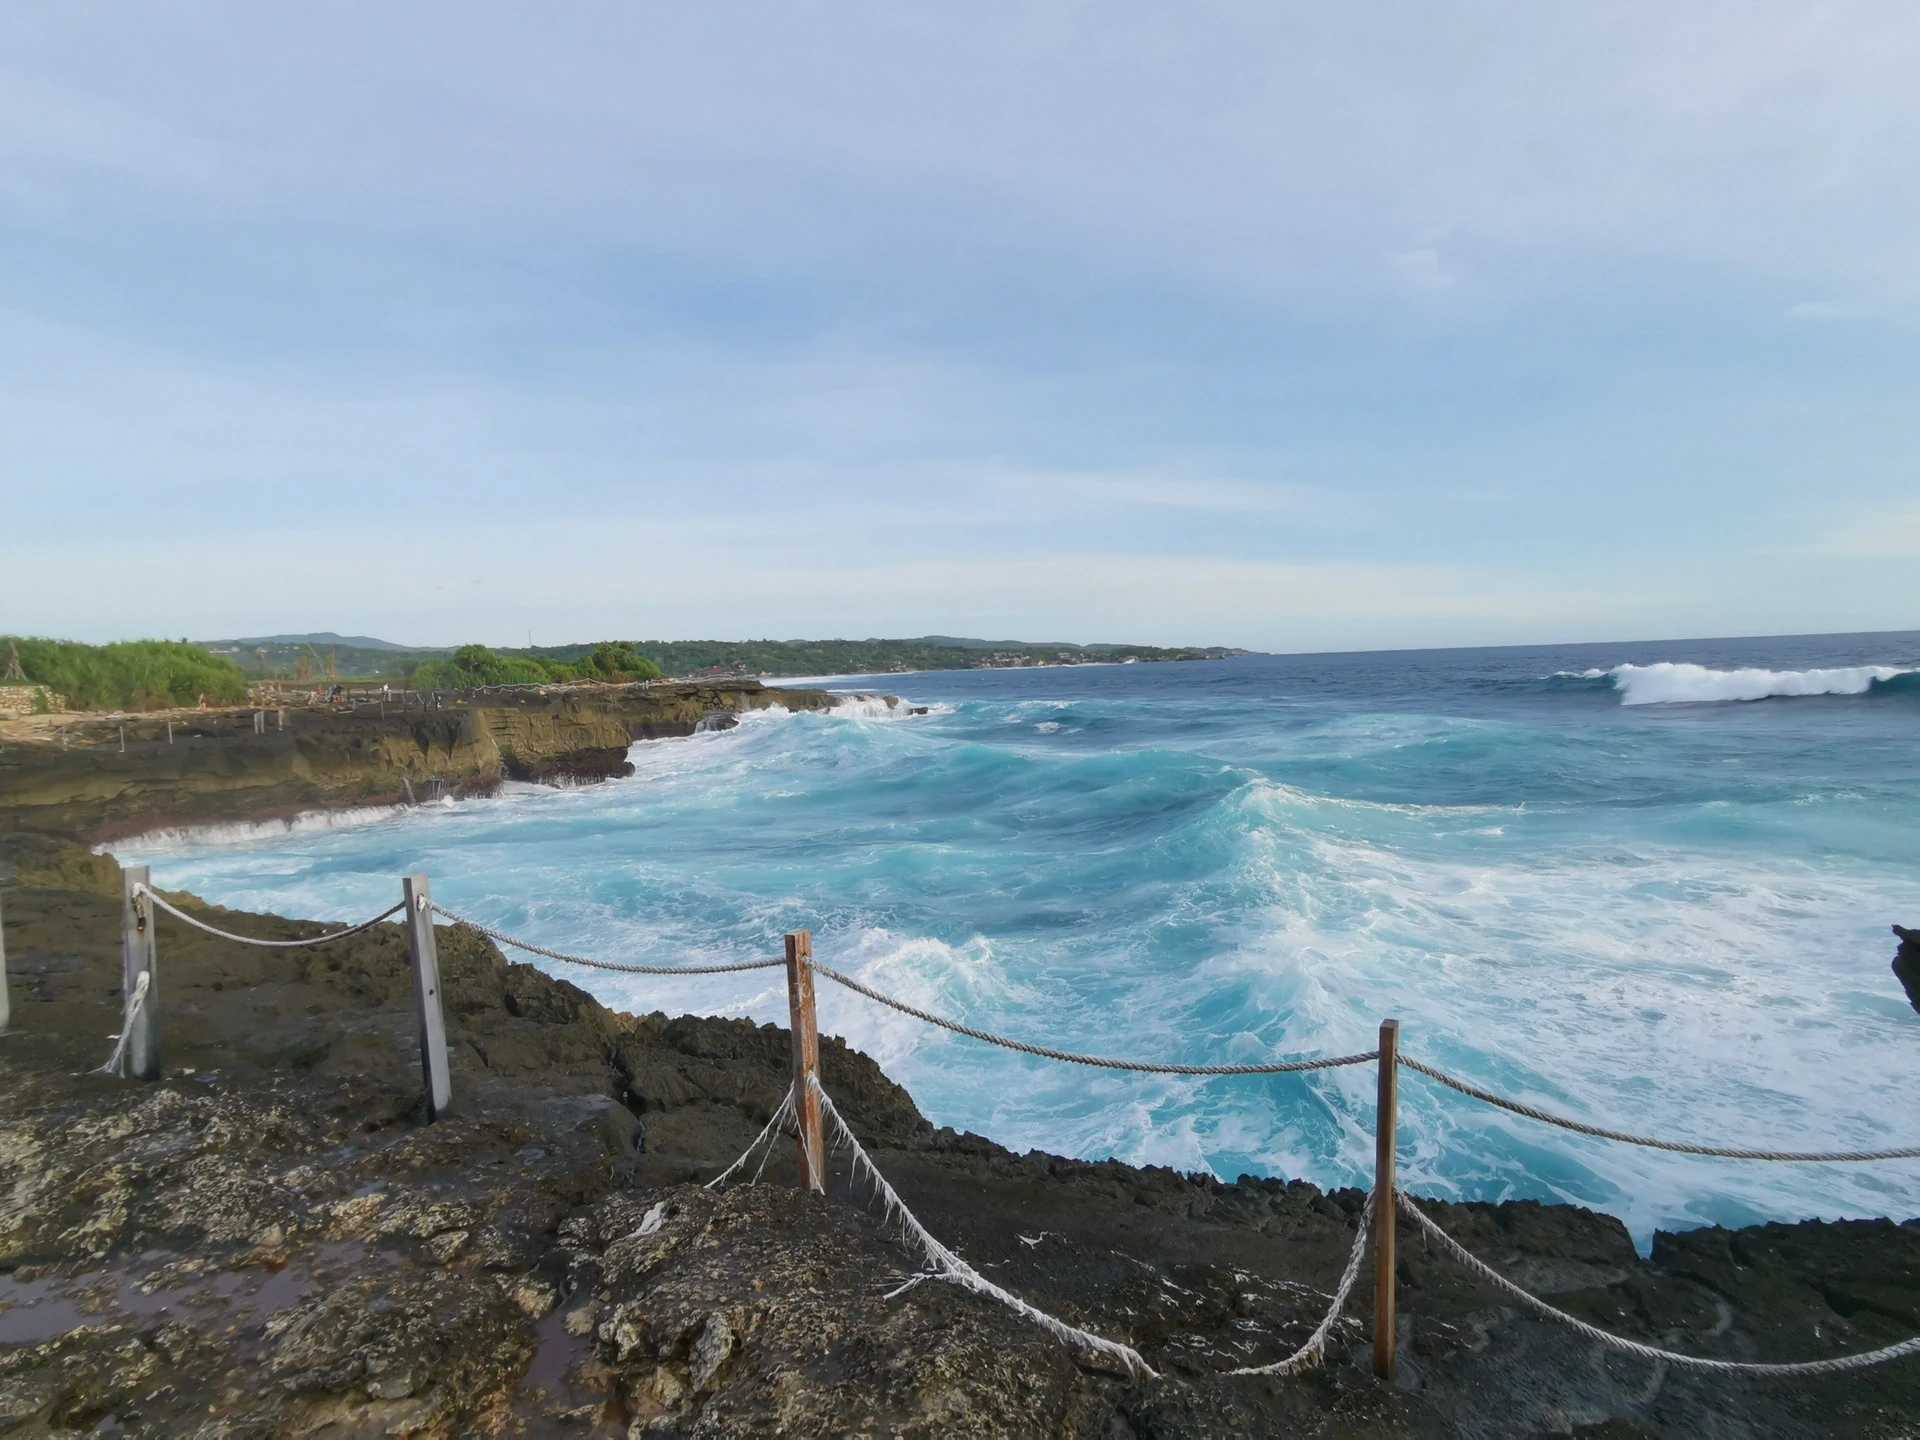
(426, 994)
(6, 1006)
(169, 732)
(138, 957)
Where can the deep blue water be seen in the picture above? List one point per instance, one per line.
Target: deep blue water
(1569, 882)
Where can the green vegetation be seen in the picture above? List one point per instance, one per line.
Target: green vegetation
(130, 674)
(475, 665)
(324, 658)
(859, 657)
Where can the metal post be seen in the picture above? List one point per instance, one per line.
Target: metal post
(426, 994)
(6, 1006)
(806, 1060)
(138, 957)
(283, 717)
(169, 732)
(1384, 1319)
(123, 739)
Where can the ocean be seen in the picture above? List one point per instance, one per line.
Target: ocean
(1648, 885)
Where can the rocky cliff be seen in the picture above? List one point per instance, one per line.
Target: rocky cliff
(269, 1241)
(204, 767)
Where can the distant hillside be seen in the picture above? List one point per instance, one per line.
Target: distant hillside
(319, 638)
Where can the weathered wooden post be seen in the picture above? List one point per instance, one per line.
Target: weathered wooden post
(1384, 1318)
(426, 994)
(806, 1059)
(137, 958)
(6, 1006)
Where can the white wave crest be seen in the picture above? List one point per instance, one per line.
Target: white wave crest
(1668, 683)
(867, 707)
(882, 707)
(247, 832)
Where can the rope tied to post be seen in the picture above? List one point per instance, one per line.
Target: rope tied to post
(1149, 1067)
(1679, 1147)
(146, 893)
(136, 998)
(617, 966)
(1315, 1349)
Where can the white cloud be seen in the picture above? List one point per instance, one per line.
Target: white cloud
(1249, 145)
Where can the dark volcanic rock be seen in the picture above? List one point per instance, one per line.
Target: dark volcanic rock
(1906, 963)
(269, 1241)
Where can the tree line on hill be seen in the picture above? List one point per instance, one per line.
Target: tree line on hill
(158, 674)
(471, 666)
(152, 674)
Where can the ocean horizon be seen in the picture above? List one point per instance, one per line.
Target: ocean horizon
(1644, 883)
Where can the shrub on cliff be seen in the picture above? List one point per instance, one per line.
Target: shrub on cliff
(472, 666)
(131, 674)
(618, 660)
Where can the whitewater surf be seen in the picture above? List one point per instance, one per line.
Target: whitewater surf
(1603, 878)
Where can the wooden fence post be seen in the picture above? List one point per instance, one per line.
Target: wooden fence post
(6, 1005)
(1384, 1318)
(426, 994)
(138, 957)
(806, 1059)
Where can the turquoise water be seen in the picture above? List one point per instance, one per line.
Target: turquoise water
(1632, 894)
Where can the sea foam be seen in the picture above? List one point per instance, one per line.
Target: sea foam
(1668, 683)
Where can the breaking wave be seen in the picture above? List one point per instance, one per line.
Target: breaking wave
(249, 832)
(1674, 683)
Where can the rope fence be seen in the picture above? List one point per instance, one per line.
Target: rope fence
(1678, 1147)
(1838, 1364)
(808, 1110)
(1147, 1067)
(620, 967)
(159, 902)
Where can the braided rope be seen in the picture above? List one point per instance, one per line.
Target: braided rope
(1681, 1147)
(197, 924)
(619, 967)
(1315, 1350)
(1278, 1067)
(949, 1266)
(1839, 1364)
(781, 1113)
(135, 999)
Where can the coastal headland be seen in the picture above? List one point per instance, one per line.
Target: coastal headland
(101, 778)
(271, 1240)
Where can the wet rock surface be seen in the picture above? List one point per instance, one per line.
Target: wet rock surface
(1906, 963)
(271, 1241)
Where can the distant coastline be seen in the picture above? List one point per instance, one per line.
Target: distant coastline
(368, 658)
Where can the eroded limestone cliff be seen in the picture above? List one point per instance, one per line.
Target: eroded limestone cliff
(208, 767)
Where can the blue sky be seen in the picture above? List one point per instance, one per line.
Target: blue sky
(1293, 327)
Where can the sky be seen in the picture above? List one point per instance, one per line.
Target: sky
(1287, 326)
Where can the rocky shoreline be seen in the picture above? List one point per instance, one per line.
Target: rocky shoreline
(101, 779)
(271, 1241)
